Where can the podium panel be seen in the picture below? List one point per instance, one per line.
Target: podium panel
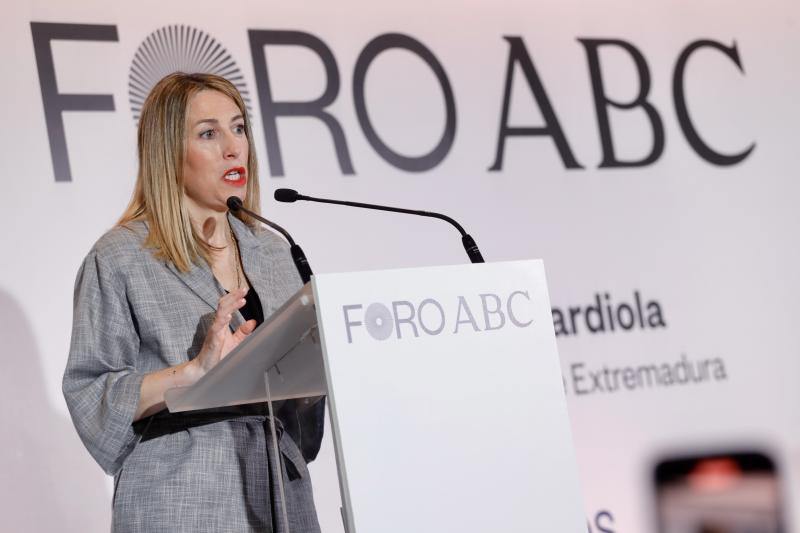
(447, 401)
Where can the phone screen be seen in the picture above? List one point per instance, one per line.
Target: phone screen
(719, 493)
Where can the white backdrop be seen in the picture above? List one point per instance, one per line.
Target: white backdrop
(712, 248)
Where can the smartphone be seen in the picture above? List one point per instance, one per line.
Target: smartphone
(719, 493)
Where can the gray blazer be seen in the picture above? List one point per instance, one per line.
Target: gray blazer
(202, 471)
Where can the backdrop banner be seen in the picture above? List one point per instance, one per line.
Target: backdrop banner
(646, 151)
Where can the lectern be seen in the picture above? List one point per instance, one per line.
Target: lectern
(445, 395)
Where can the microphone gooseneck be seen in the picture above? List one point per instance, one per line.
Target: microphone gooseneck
(298, 256)
(290, 195)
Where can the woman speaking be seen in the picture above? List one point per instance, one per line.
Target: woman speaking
(162, 298)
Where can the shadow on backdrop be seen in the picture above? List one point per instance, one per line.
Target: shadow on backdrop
(50, 483)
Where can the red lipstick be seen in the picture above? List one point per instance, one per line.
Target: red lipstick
(236, 176)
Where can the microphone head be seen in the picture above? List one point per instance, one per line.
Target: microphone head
(286, 195)
(234, 203)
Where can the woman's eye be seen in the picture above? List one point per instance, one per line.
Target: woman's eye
(207, 134)
(239, 128)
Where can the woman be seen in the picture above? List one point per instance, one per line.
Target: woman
(160, 300)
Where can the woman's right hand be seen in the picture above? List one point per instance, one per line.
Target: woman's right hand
(219, 339)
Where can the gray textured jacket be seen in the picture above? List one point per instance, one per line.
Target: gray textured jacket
(202, 471)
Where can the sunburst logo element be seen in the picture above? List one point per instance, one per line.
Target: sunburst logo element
(179, 48)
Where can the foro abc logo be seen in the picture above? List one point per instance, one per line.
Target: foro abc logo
(483, 312)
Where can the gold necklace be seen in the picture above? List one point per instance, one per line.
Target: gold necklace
(236, 259)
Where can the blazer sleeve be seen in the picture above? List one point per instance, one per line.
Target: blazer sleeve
(101, 384)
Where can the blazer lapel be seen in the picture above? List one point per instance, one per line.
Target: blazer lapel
(201, 281)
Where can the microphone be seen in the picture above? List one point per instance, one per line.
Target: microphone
(300, 261)
(290, 195)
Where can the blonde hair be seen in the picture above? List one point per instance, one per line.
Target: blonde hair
(158, 195)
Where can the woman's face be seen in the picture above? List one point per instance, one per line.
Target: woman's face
(216, 150)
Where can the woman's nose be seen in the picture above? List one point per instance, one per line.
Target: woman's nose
(232, 147)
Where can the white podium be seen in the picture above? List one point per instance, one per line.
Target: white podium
(444, 389)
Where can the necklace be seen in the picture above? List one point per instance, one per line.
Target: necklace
(237, 262)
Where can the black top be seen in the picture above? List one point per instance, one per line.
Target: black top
(252, 309)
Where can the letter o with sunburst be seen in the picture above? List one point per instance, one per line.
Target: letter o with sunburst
(179, 48)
